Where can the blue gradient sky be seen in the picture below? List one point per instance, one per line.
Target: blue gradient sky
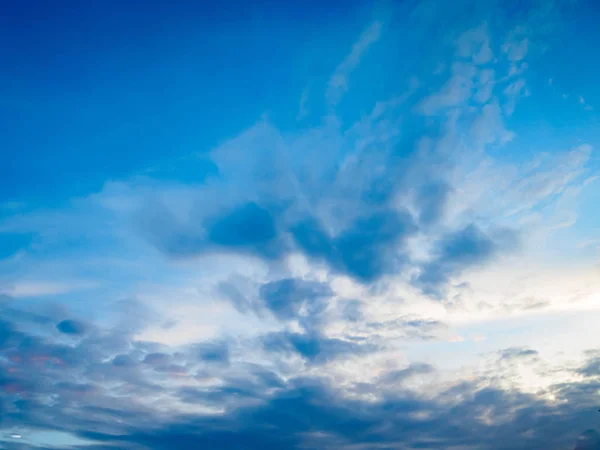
(324, 225)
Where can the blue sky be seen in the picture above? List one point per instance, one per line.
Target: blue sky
(321, 225)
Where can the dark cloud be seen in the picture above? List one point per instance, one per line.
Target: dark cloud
(94, 395)
(213, 352)
(370, 248)
(517, 352)
(123, 361)
(591, 367)
(8, 334)
(247, 228)
(311, 414)
(396, 376)
(217, 396)
(284, 298)
(71, 326)
(431, 201)
(458, 251)
(314, 347)
(255, 384)
(589, 440)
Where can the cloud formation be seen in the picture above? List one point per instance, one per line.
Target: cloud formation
(395, 270)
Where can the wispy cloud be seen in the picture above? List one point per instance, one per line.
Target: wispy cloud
(338, 83)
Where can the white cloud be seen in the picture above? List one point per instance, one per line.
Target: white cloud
(454, 92)
(475, 45)
(338, 83)
(517, 45)
(513, 92)
(485, 86)
(26, 289)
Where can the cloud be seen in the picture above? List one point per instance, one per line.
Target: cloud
(285, 298)
(369, 249)
(485, 86)
(238, 292)
(489, 127)
(246, 228)
(302, 107)
(404, 374)
(351, 310)
(70, 326)
(475, 44)
(459, 251)
(432, 199)
(314, 415)
(404, 328)
(592, 366)
(338, 83)
(314, 347)
(38, 288)
(516, 353)
(213, 352)
(253, 404)
(454, 92)
(516, 47)
(312, 288)
(156, 359)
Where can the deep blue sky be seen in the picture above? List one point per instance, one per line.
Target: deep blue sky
(96, 90)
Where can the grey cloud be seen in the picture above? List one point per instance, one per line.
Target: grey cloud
(312, 414)
(475, 44)
(238, 293)
(351, 310)
(213, 352)
(71, 326)
(517, 352)
(454, 92)
(591, 368)
(404, 374)
(265, 410)
(157, 359)
(285, 298)
(431, 201)
(314, 347)
(369, 249)
(123, 361)
(247, 228)
(459, 251)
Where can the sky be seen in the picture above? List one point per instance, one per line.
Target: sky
(312, 225)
